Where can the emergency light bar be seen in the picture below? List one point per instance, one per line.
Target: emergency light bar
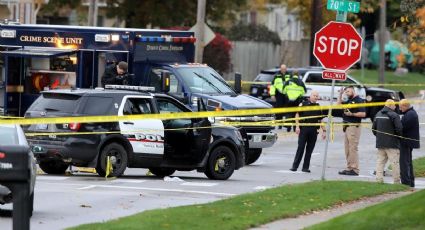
(131, 88)
(167, 39)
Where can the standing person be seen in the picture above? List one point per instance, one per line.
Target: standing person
(307, 135)
(410, 141)
(294, 89)
(387, 128)
(352, 117)
(276, 90)
(115, 74)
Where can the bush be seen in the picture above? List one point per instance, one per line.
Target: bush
(217, 53)
(258, 33)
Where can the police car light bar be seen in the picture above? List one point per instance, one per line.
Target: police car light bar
(167, 39)
(131, 87)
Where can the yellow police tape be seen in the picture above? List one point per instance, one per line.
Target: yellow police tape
(336, 84)
(186, 115)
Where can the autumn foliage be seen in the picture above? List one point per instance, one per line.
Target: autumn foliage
(416, 36)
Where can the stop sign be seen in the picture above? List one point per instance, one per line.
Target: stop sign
(337, 46)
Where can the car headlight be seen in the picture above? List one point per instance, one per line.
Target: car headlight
(369, 98)
(194, 101)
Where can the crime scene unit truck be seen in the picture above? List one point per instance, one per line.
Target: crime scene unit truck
(43, 57)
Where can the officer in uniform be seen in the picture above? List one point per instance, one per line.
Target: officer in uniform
(307, 135)
(294, 89)
(115, 74)
(352, 119)
(277, 91)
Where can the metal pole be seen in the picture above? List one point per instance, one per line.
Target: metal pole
(200, 31)
(316, 24)
(341, 16)
(362, 62)
(382, 26)
(91, 12)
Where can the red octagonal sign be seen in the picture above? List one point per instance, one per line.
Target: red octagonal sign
(337, 46)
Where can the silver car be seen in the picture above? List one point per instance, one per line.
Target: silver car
(11, 137)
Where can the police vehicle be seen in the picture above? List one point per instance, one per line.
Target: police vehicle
(163, 146)
(312, 77)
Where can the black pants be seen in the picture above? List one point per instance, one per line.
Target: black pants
(281, 101)
(306, 140)
(292, 104)
(406, 167)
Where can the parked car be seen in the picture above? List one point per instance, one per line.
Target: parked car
(163, 146)
(312, 77)
(12, 143)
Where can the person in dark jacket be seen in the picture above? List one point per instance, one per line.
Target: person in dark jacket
(388, 129)
(115, 74)
(409, 142)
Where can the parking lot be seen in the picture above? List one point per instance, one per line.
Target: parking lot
(77, 198)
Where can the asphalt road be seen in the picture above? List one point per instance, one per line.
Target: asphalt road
(64, 201)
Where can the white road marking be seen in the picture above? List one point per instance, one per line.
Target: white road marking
(128, 181)
(199, 184)
(52, 178)
(262, 187)
(366, 176)
(87, 187)
(288, 171)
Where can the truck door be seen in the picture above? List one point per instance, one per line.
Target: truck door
(147, 135)
(185, 139)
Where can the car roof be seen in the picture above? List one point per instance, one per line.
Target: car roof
(291, 69)
(97, 91)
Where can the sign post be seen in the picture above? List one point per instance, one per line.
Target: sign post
(337, 46)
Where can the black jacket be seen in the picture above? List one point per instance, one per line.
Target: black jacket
(385, 125)
(111, 77)
(410, 123)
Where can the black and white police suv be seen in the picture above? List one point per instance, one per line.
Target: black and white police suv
(163, 146)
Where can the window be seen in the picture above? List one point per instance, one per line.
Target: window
(155, 80)
(8, 136)
(317, 78)
(204, 80)
(166, 106)
(64, 103)
(98, 106)
(134, 106)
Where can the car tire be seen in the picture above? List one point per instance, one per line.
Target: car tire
(162, 172)
(221, 163)
(252, 155)
(119, 161)
(55, 167)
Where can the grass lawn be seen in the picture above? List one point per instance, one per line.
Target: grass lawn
(419, 167)
(402, 213)
(371, 77)
(254, 209)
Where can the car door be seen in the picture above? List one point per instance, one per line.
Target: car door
(147, 135)
(185, 139)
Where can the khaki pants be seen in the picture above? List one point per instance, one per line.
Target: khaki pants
(352, 137)
(394, 156)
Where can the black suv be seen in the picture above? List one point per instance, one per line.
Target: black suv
(312, 77)
(163, 146)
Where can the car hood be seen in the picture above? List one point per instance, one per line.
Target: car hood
(228, 102)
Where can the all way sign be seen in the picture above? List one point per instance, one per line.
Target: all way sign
(333, 75)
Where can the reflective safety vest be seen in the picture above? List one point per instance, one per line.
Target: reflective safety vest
(293, 89)
(278, 83)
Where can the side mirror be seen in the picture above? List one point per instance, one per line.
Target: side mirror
(238, 83)
(165, 78)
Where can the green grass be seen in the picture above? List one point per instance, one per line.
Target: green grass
(419, 167)
(402, 213)
(254, 209)
(371, 77)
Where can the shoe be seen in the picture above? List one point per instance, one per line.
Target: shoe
(280, 127)
(306, 170)
(288, 129)
(343, 172)
(351, 173)
(293, 169)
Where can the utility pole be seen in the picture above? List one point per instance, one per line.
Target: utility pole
(382, 25)
(92, 13)
(316, 24)
(200, 31)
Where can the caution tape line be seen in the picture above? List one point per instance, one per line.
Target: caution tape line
(337, 84)
(187, 115)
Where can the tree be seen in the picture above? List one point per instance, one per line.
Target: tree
(252, 32)
(416, 38)
(157, 13)
(217, 54)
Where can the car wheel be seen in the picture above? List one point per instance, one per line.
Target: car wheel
(162, 172)
(118, 159)
(252, 155)
(221, 163)
(56, 167)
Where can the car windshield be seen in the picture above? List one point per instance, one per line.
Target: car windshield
(204, 80)
(8, 135)
(264, 77)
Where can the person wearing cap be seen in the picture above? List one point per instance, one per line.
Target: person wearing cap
(409, 141)
(351, 118)
(387, 128)
(115, 74)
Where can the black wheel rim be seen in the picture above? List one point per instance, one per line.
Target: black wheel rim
(222, 163)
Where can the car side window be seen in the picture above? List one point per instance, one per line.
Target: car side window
(156, 81)
(316, 78)
(166, 106)
(98, 106)
(134, 106)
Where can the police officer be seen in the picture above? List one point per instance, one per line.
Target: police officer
(307, 135)
(294, 89)
(276, 90)
(115, 74)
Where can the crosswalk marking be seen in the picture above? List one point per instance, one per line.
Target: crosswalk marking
(52, 178)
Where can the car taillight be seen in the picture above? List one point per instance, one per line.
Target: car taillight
(2, 155)
(74, 126)
(268, 89)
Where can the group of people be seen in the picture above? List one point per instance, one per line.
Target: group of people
(395, 137)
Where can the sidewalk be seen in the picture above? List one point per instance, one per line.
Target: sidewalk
(303, 221)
